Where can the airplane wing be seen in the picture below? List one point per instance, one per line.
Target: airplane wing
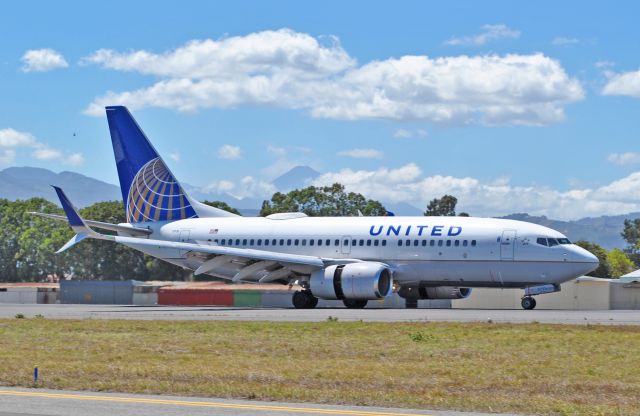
(271, 265)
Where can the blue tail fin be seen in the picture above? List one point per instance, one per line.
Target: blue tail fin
(150, 192)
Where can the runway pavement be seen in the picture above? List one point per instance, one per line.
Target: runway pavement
(615, 317)
(43, 402)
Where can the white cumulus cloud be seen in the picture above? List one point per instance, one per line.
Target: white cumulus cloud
(12, 140)
(230, 152)
(489, 33)
(628, 158)
(492, 198)
(625, 83)
(42, 60)
(293, 70)
(362, 153)
(407, 134)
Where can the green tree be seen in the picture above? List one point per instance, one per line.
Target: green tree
(25, 241)
(619, 263)
(603, 270)
(442, 207)
(631, 232)
(222, 205)
(322, 202)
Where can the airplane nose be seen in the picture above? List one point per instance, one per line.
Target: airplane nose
(588, 261)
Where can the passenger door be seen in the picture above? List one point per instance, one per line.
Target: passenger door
(507, 244)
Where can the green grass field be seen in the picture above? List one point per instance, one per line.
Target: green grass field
(533, 368)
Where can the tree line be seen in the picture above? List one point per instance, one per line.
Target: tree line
(28, 243)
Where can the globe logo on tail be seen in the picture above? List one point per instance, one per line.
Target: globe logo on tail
(155, 195)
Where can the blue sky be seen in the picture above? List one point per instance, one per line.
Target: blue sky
(528, 107)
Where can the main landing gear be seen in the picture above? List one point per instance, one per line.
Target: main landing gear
(528, 303)
(304, 299)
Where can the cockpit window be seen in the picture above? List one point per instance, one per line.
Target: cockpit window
(552, 242)
(564, 241)
(542, 241)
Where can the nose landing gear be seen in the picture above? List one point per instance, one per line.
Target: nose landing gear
(528, 303)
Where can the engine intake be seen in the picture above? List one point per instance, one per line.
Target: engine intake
(438, 292)
(366, 280)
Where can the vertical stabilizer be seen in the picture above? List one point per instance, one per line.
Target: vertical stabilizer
(150, 191)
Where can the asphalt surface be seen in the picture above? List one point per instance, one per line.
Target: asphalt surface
(615, 317)
(17, 401)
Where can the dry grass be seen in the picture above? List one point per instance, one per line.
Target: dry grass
(540, 369)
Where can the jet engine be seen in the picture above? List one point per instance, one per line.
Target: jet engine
(366, 280)
(438, 292)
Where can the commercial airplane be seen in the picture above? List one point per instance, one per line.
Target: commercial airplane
(354, 259)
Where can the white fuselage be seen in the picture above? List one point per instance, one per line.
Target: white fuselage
(431, 251)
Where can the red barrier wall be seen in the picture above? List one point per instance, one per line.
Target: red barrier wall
(217, 297)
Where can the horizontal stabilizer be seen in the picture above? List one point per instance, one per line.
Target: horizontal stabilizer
(126, 229)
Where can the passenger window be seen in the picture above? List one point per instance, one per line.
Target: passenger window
(432, 243)
(542, 241)
(439, 243)
(328, 242)
(384, 243)
(375, 243)
(448, 243)
(304, 242)
(368, 243)
(361, 243)
(266, 241)
(399, 243)
(274, 242)
(311, 242)
(251, 242)
(337, 242)
(237, 241)
(259, 241)
(289, 242)
(473, 243)
(354, 243)
(464, 243)
(416, 242)
(296, 242)
(282, 241)
(424, 243)
(222, 241)
(456, 243)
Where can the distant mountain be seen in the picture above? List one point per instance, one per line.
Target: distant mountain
(28, 182)
(604, 230)
(296, 178)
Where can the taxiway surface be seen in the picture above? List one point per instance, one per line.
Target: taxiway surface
(44, 402)
(607, 317)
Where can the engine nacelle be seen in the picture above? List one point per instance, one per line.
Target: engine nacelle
(438, 292)
(366, 280)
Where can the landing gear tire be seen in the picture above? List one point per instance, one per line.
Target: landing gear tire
(355, 303)
(528, 303)
(304, 299)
